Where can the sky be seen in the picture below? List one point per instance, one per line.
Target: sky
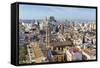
(61, 13)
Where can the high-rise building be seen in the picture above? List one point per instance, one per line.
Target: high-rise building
(48, 34)
(61, 29)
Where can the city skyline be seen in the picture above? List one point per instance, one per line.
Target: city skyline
(60, 13)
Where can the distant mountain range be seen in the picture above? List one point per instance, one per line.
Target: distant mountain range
(25, 21)
(79, 21)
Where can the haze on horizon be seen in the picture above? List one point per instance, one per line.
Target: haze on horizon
(60, 13)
